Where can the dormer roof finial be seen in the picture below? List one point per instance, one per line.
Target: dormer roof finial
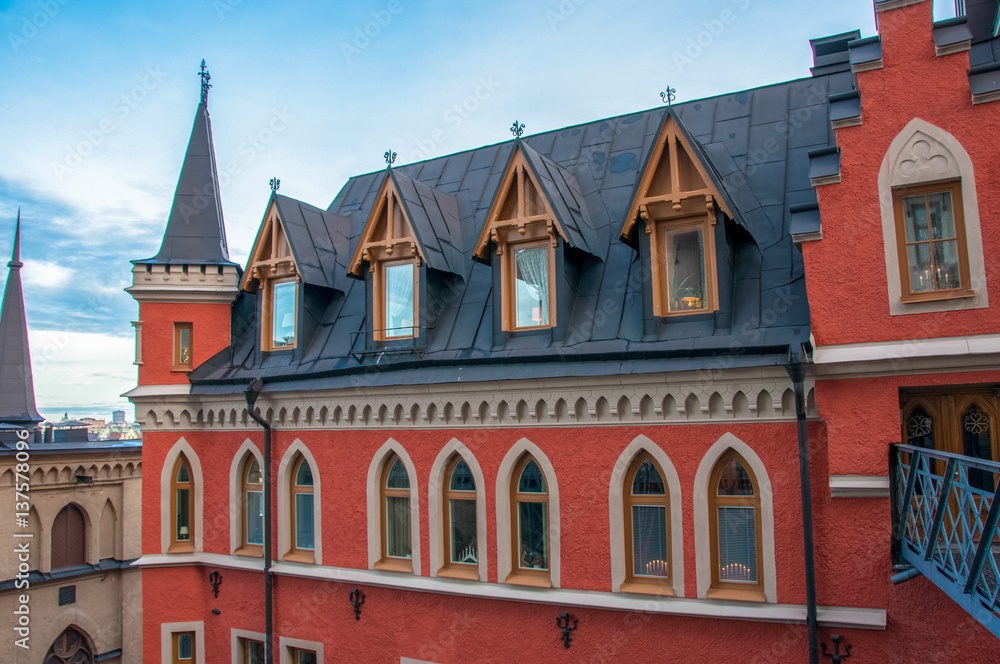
(205, 85)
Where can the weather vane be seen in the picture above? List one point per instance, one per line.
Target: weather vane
(517, 129)
(275, 183)
(668, 95)
(390, 157)
(205, 78)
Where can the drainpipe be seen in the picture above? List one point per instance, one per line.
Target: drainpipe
(252, 392)
(796, 371)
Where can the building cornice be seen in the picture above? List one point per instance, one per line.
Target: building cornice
(908, 356)
(210, 284)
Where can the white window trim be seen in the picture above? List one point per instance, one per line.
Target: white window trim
(504, 477)
(236, 515)
(166, 499)
(166, 644)
(375, 504)
(702, 536)
(285, 480)
(959, 166)
(236, 649)
(435, 500)
(616, 513)
(284, 643)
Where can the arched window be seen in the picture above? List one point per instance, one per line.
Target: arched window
(303, 530)
(647, 524)
(977, 441)
(68, 538)
(529, 525)
(735, 529)
(461, 549)
(253, 508)
(397, 551)
(70, 647)
(182, 507)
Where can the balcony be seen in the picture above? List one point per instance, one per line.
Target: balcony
(945, 511)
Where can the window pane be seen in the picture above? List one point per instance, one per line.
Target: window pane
(734, 480)
(942, 216)
(182, 474)
(737, 544)
(921, 268)
(184, 346)
(977, 442)
(304, 538)
(463, 531)
(283, 315)
(685, 257)
(920, 429)
(397, 477)
(531, 479)
(305, 657)
(461, 478)
(256, 651)
(254, 475)
(255, 517)
(399, 300)
(185, 644)
(397, 526)
(304, 476)
(183, 525)
(649, 540)
(532, 527)
(915, 218)
(946, 264)
(531, 287)
(647, 480)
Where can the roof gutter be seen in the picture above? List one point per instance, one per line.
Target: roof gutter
(251, 393)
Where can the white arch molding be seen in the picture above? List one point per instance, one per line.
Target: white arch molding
(197, 478)
(375, 504)
(285, 479)
(616, 513)
(435, 506)
(236, 515)
(702, 536)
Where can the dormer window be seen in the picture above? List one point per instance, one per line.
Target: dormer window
(399, 303)
(677, 202)
(273, 272)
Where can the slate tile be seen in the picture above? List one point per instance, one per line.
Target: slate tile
(455, 168)
(768, 142)
(733, 134)
(769, 104)
(623, 169)
(629, 134)
(768, 182)
(807, 92)
(431, 170)
(541, 143)
(567, 145)
(698, 117)
(806, 131)
(732, 106)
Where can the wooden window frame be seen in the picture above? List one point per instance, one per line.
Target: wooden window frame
(246, 548)
(381, 299)
(175, 640)
(658, 229)
(179, 364)
(178, 545)
(518, 575)
(267, 309)
(387, 562)
(538, 238)
(635, 583)
(954, 187)
(294, 552)
(450, 568)
(294, 652)
(244, 644)
(733, 589)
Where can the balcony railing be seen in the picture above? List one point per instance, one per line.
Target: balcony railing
(945, 510)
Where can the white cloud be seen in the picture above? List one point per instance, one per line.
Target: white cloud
(41, 274)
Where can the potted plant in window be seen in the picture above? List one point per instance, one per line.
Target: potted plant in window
(684, 295)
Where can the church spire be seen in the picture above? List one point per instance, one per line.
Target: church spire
(17, 391)
(195, 232)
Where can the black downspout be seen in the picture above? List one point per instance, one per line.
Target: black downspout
(796, 372)
(252, 392)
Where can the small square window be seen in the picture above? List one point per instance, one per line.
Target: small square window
(183, 648)
(183, 347)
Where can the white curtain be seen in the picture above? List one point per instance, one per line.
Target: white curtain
(400, 291)
(533, 268)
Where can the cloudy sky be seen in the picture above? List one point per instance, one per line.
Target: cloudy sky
(97, 100)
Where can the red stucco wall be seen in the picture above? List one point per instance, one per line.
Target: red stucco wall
(210, 334)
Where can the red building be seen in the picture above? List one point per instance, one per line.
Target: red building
(581, 373)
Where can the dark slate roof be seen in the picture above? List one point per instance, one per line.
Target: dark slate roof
(433, 215)
(195, 231)
(17, 391)
(318, 240)
(756, 145)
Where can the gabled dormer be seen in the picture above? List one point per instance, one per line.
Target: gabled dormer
(273, 273)
(407, 255)
(537, 215)
(673, 218)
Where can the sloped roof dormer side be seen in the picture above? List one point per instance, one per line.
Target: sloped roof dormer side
(271, 256)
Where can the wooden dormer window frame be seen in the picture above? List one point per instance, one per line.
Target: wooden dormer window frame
(678, 202)
(273, 270)
(521, 219)
(387, 244)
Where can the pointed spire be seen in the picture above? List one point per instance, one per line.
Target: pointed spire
(17, 391)
(195, 230)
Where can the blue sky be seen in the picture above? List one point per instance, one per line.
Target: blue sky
(97, 100)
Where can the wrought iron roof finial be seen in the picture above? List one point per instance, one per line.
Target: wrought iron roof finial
(390, 158)
(275, 183)
(205, 78)
(668, 95)
(517, 129)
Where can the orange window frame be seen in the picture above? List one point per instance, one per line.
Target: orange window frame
(177, 544)
(750, 591)
(660, 585)
(451, 568)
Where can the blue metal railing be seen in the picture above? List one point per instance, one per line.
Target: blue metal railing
(946, 509)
